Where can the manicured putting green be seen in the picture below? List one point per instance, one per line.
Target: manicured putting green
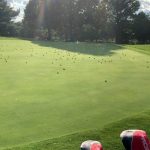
(51, 89)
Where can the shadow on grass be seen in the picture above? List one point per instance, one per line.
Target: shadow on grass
(96, 49)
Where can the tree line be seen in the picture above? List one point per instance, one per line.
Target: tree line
(83, 20)
(7, 14)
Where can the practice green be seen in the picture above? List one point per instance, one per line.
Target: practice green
(51, 89)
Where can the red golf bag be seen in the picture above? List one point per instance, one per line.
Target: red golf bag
(135, 140)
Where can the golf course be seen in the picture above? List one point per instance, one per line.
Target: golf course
(55, 95)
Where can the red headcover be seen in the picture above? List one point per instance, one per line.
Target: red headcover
(91, 145)
(135, 140)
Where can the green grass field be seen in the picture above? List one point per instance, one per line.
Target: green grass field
(140, 48)
(54, 89)
(109, 136)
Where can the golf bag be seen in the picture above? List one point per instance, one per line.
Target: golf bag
(135, 140)
(91, 145)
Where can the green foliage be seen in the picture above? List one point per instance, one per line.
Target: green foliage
(30, 19)
(142, 28)
(123, 13)
(86, 20)
(89, 32)
(6, 16)
(71, 20)
(78, 20)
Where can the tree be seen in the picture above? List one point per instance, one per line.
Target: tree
(6, 16)
(15, 29)
(103, 21)
(141, 27)
(123, 12)
(53, 17)
(84, 20)
(30, 19)
(69, 20)
(89, 26)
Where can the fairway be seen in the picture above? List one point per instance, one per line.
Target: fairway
(52, 89)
